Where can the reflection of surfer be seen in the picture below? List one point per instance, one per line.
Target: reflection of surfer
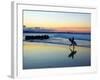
(73, 52)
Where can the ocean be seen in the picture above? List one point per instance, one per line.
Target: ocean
(55, 52)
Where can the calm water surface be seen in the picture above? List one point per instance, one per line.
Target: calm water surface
(44, 55)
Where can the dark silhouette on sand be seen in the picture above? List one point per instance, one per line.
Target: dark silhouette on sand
(73, 51)
(73, 43)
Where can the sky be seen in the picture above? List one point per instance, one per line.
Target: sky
(58, 21)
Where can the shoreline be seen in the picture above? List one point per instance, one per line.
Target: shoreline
(57, 43)
(47, 55)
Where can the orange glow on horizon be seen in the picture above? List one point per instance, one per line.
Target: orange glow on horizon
(61, 27)
(73, 29)
(58, 21)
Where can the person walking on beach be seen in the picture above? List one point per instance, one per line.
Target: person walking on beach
(73, 43)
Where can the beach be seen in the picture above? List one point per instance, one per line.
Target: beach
(56, 39)
(47, 55)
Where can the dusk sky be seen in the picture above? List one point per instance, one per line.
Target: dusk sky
(58, 21)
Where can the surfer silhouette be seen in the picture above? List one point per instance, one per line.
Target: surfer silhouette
(73, 44)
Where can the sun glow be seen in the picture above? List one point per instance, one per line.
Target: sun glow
(58, 21)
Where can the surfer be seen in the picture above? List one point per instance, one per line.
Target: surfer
(73, 43)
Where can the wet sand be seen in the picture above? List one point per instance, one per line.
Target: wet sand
(46, 55)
